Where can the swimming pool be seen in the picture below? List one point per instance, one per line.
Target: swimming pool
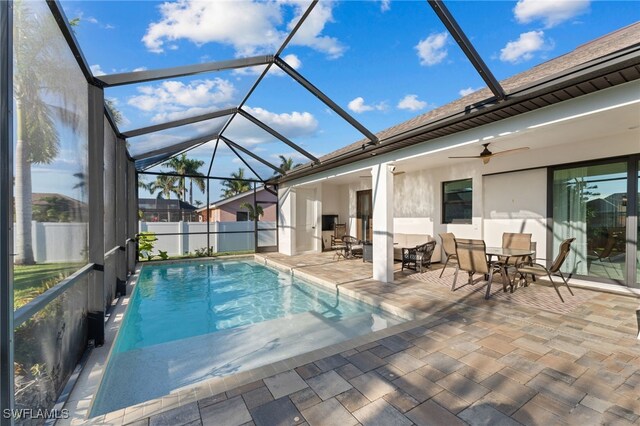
(192, 321)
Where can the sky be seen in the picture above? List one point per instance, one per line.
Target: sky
(384, 62)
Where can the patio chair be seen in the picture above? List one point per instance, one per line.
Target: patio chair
(339, 231)
(417, 257)
(472, 258)
(537, 269)
(353, 247)
(449, 246)
(515, 241)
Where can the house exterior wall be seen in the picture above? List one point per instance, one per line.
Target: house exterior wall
(227, 212)
(515, 201)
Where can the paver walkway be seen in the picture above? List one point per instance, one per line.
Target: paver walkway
(502, 361)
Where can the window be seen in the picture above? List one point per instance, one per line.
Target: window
(590, 202)
(242, 216)
(456, 201)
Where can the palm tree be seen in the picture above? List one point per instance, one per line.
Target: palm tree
(254, 212)
(146, 185)
(236, 185)
(166, 185)
(45, 93)
(286, 164)
(187, 166)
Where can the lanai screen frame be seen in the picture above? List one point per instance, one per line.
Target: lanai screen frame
(98, 110)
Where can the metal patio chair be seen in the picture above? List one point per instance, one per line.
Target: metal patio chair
(537, 269)
(353, 247)
(449, 246)
(472, 258)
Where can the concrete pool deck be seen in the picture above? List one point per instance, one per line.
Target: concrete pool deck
(523, 357)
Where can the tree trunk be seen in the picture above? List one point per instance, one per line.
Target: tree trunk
(191, 191)
(23, 198)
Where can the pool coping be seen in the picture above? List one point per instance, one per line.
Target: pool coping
(82, 396)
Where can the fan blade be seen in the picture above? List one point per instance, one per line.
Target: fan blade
(468, 156)
(509, 151)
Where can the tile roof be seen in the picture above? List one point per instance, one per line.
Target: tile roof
(602, 46)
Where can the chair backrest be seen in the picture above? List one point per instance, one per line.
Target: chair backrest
(516, 241)
(565, 247)
(448, 243)
(340, 230)
(427, 249)
(348, 239)
(472, 255)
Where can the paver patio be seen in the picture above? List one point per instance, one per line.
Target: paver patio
(502, 361)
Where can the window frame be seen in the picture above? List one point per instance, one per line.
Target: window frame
(444, 203)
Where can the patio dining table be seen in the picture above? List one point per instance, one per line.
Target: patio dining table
(508, 253)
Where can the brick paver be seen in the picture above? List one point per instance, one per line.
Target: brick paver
(468, 361)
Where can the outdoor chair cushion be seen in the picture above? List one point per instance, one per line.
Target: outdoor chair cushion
(407, 240)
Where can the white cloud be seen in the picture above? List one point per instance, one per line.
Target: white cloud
(412, 103)
(432, 50)
(468, 91)
(523, 48)
(293, 124)
(97, 70)
(250, 27)
(551, 12)
(385, 5)
(92, 20)
(310, 34)
(180, 98)
(358, 106)
(139, 69)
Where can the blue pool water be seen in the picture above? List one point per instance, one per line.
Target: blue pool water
(192, 321)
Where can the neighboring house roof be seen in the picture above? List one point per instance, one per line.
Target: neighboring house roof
(162, 204)
(601, 63)
(41, 198)
(220, 203)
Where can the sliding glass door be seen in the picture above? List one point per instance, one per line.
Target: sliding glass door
(593, 203)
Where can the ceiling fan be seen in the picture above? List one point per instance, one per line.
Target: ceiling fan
(486, 155)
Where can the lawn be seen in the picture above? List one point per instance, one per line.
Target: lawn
(32, 280)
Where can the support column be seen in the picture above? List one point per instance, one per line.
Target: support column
(96, 214)
(121, 218)
(6, 210)
(132, 212)
(286, 221)
(383, 203)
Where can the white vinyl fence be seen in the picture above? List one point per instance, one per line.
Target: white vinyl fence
(67, 242)
(240, 237)
(57, 242)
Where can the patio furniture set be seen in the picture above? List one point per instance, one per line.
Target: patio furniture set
(517, 253)
(414, 253)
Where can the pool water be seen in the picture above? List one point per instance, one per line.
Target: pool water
(192, 321)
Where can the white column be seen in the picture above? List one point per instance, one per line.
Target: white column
(286, 221)
(382, 192)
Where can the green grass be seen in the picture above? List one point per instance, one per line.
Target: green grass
(33, 280)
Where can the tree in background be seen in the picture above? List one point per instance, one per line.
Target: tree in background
(45, 94)
(236, 185)
(186, 166)
(286, 163)
(255, 212)
(167, 185)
